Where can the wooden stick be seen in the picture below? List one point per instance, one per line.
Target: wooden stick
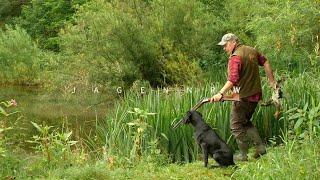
(232, 97)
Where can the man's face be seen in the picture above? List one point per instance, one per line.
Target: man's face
(229, 46)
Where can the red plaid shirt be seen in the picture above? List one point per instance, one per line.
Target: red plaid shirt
(234, 68)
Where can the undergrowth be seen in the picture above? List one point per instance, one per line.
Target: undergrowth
(290, 160)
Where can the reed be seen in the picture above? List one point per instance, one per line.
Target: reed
(171, 105)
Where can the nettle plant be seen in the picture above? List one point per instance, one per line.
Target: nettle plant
(54, 146)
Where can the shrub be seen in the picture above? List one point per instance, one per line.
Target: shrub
(121, 42)
(19, 57)
(55, 146)
(44, 19)
(286, 31)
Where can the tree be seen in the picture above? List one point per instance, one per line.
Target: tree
(161, 42)
(44, 19)
(9, 9)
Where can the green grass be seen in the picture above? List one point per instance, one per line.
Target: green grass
(289, 160)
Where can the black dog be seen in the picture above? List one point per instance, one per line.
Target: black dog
(210, 142)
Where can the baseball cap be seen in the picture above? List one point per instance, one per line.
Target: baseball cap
(228, 37)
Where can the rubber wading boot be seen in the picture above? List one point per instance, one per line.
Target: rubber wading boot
(243, 148)
(253, 134)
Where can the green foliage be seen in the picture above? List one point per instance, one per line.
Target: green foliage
(306, 121)
(44, 19)
(216, 6)
(19, 57)
(9, 9)
(12, 164)
(303, 87)
(55, 146)
(115, 43)
(288, 161)
(159, 43)
(3, 139)
(139, 127)
(7, 104)
(286, 31)
(170, 105)
(89, 171)
(118, 43)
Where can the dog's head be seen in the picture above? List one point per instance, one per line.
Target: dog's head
(191, 117)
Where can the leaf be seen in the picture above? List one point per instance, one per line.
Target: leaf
(300, 111)
(295, 116)
(305, 107)
(312, 114)
(36, 126)
(140, 130)
(131, 124)
(162, 134)
(71, 143)
(2, 111)
(298, 123)
(137, 110)
(67, 135)
(151, 113)
(291, 110)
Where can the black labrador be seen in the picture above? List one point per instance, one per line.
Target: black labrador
(210, 142)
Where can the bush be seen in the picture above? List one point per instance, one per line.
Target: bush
(19, 57)
(44, 19)
(120, 42)
(286, 31)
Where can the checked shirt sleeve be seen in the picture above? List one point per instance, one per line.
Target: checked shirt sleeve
(234, 67)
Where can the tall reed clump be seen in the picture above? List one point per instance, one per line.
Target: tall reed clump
(169, 106)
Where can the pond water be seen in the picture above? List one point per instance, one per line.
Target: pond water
(76, 112)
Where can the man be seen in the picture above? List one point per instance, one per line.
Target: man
(244, 78)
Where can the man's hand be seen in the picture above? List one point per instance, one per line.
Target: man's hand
(216, 98)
